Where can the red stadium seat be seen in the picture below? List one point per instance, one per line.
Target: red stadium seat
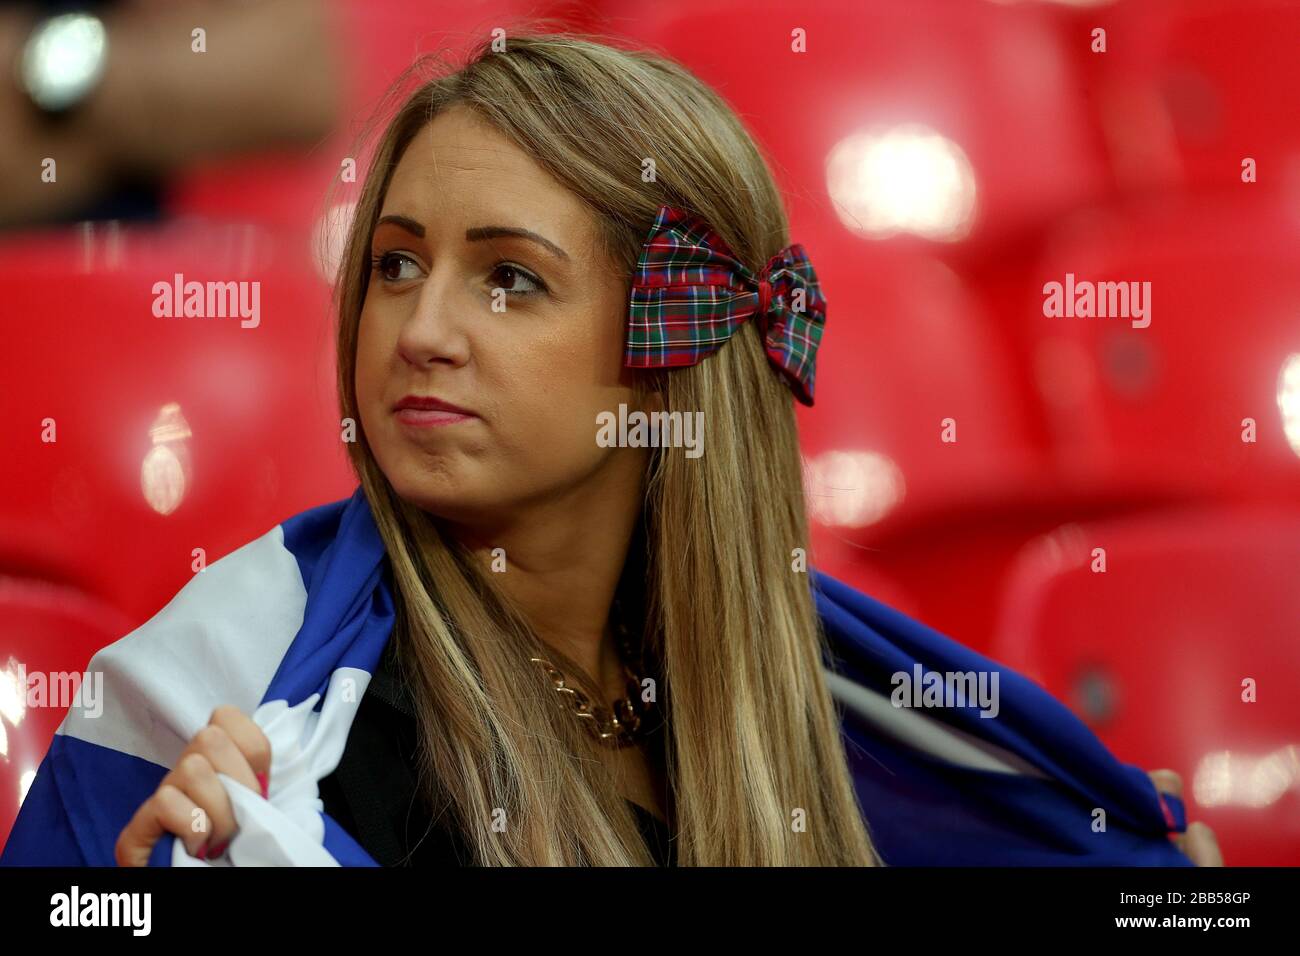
(907, 347)
(992, 80)
(1187, 89)
(173, 434)
(1152, 654)
(1162, 406)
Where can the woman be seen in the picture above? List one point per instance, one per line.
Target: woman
(488, 325)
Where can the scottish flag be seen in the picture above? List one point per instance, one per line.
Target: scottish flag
(290, 627)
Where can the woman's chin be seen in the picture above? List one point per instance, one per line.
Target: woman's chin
(446, 501)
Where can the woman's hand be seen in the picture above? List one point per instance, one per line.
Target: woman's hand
(1199, 842)
(191, 802)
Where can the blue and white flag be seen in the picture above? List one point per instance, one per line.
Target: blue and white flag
(290, 627)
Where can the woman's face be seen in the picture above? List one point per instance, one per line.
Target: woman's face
(488, 291)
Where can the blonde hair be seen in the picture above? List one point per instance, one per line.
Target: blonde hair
(753, 735)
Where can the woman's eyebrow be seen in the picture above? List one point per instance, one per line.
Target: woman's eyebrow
(499, 232)
(403, 222)
(478, 233)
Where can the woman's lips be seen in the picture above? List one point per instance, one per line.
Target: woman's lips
(429, 417)
(425, 411)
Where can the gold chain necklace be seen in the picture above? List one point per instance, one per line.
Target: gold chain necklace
(625, 722)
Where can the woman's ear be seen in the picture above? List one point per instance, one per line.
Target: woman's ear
(652, 402)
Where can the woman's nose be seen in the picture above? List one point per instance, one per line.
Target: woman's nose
(433, 331)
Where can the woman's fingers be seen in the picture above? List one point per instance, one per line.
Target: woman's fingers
(225, 755)
(191, 801)
(197, 779)
(1167, 781)
(1202, 847)
(250, 742)
(1199, 843)
(168, 810)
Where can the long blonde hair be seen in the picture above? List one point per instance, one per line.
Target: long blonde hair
(753, 745)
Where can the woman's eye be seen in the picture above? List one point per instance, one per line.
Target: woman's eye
(515, 280)
(390, 266)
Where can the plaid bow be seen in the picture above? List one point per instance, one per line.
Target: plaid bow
(690, 294)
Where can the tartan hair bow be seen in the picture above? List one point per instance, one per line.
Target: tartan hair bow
(690, 295)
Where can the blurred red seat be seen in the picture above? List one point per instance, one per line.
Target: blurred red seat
(992, 80)
(1153, 653)
(907, 347)
(173, 434)
(1162, 407)
(1187, 89)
